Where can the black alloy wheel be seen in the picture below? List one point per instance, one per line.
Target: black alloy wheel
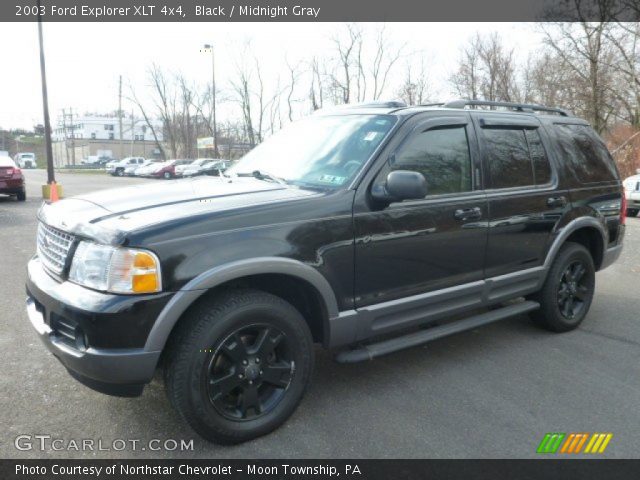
(573, 290)
(238, 364)
(249, 372)
(565, 297)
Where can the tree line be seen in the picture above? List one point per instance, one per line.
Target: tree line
(589, 68)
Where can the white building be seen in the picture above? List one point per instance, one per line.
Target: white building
(97, 127)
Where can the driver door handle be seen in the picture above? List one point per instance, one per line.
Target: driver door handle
(465, 214)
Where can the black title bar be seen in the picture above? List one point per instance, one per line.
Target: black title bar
(319, 10)
(547, 469)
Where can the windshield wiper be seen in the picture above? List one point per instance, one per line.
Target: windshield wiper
(263, 175)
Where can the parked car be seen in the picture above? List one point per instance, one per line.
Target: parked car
(117, 168)
(632, 193)
(354, 229)
(11, 179)
(25, 160)
(166, 170)
(211, 167)
(193, 166)
(214, 168)
(132, 170)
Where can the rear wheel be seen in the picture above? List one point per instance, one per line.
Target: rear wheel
(239, 364)
(568, 290)
(632, 212)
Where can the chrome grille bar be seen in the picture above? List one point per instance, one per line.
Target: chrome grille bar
(53, 247)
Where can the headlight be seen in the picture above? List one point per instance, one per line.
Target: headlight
(115, 269)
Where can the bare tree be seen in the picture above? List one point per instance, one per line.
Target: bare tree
(383, 61)
(487, 70)
(583, 49)
(414, 87)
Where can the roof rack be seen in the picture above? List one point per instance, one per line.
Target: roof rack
(378, 104)
(518, 107)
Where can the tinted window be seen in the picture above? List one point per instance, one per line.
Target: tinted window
(541, 167)
(585, 152)
(508, 157)
(442, 156)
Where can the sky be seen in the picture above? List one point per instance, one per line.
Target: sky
(85, 60)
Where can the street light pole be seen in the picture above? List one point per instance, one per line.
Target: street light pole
(216, 152)
(45, 104)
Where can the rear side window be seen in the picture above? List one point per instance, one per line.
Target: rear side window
(586, 153)
(515, 157)
(442, 156)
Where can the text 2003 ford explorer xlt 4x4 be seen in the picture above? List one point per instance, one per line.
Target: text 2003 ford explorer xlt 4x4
(343, 229)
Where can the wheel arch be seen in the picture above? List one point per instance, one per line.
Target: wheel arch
(261, 273)
(588, 231)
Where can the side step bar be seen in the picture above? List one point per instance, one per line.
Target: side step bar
(369, 352)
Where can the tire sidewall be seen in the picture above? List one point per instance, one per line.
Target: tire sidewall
(291, 323)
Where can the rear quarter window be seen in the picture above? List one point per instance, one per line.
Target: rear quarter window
(584, 151)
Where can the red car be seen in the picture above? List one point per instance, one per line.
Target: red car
(11, 179)
(167, 169)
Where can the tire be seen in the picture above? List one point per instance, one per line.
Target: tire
(207, 380)
(632, 212)
(167, 175)
(120, 172)
(566, 295)
(21, 196)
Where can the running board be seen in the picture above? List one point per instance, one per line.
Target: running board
(369, 352)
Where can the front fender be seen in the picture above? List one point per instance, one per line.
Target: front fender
(185, 297)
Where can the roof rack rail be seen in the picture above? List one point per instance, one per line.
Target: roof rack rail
(378, 104)
(519, 107)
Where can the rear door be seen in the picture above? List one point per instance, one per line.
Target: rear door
(524, 197)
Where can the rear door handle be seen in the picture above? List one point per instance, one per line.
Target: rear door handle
(468, 213)
(557, 201)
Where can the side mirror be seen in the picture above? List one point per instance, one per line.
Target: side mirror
(401, 185)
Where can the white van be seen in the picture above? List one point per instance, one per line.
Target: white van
(25, 160)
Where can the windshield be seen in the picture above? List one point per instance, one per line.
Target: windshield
(321, 151)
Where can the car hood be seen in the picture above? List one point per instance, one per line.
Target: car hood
(108, 215)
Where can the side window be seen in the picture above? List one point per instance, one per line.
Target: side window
(507, 158)
(442, 156)
(541, 166)
(585, 152)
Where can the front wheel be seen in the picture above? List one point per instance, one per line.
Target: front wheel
(568, 290)
(21, 196)
(167, 175)
(238, 365)
(632, 212)
(120, 172)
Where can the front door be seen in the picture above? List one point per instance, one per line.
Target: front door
(417, 246)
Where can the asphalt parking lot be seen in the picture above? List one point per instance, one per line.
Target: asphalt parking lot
(488, 393)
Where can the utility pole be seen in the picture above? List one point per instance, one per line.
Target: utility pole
(216, 152)
(132, 127)
(45, 103)
(66, 136)
(120, 113)
(73, 137)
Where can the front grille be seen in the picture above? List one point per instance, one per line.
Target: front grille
(53, 247)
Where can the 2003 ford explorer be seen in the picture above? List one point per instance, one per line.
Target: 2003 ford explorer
(364, 229)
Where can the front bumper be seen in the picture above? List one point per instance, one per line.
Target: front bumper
(75, 323)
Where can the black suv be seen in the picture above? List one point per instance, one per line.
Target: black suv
(364, 229)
